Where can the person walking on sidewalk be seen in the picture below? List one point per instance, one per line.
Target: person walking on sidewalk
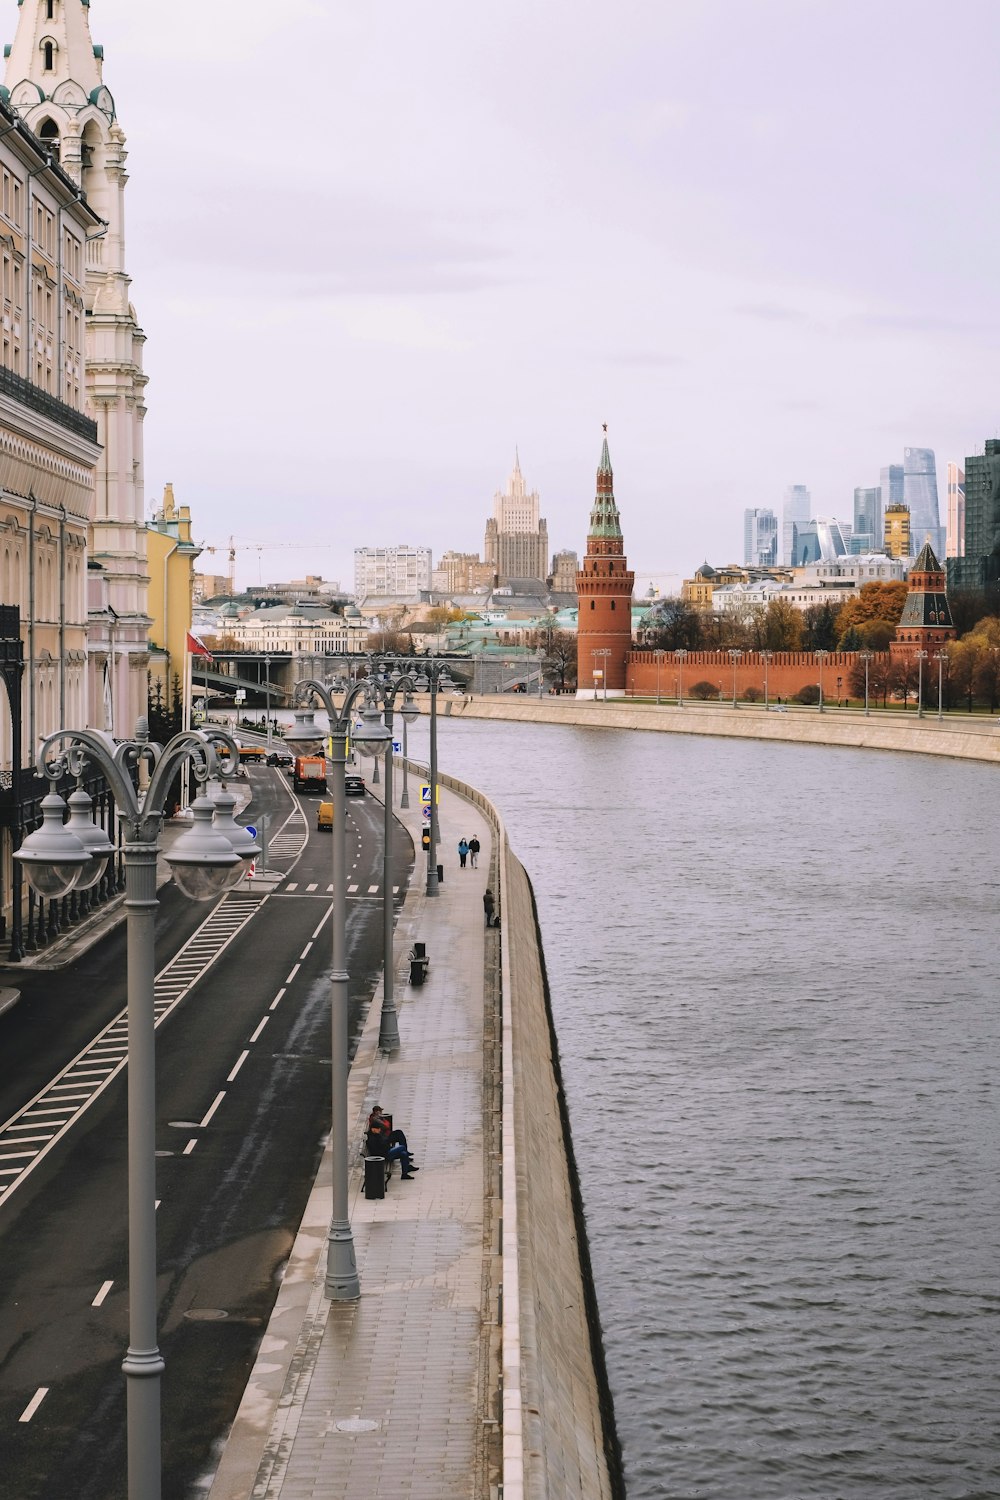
(474, 852)
(488, 905)
(463, 851)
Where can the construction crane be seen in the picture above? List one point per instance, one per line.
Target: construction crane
(234, 546)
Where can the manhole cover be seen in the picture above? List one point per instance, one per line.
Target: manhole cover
(206, 1314)
(356, 1424)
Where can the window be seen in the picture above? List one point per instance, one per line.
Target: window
(49, 49)
(50, 9)
(48, 132)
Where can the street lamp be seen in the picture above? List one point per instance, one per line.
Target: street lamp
(387, 689)
(940, 657)
(680, 656)
(58, 858)
(433, 675)
(734, 655)
(659, 657)
(601, 671)
(267, 671)
(342, 1283)
(821, 657)
(767, 657)
(921, 658)
(866, 657)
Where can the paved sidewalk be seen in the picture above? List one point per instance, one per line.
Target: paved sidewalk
(389, 1396)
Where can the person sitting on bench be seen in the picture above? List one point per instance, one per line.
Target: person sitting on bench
(382, 1140)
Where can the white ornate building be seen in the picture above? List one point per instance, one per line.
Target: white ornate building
(53, 79)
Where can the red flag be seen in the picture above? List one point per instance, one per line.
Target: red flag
(196, 647)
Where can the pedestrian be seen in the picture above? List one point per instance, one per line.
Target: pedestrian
(474, 852)
(382, 1140)
(488, 905)
(463, 852)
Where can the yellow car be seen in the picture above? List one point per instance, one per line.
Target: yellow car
(324, 817)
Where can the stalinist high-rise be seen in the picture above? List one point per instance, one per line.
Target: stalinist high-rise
(54, 81)
(517, 538)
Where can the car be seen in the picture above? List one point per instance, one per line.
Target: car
(324, 817)
(279, 758)
(354, 786)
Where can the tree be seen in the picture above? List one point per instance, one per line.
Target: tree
(784, 626)
(821, 626)
(752, 695)
(851, 640)
(970, 606)
(877, 634)
(166, 717)
(874, 601)
(878, 678)
(671, 624)
(394, 642)
(904, 675)
(560, 658)
(704, 691)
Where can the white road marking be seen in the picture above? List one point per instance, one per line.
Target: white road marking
(278, 998)
(240, 1061)
(260, 1028)
(351, 890)
(189, 1148)
(218, 1100)
(319, 929)
(305, 951)
(105, 1289)
(313, 887)
(292, 885)
(372, 890)
(34, 1404)
(292, 974)
(157, 1203)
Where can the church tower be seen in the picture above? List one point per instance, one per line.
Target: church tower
(604, 589)
(54, 81)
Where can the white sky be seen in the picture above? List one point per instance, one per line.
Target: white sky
(374, 246)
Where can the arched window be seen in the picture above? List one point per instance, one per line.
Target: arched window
(50, 9)
(49, 49)
(48, 132)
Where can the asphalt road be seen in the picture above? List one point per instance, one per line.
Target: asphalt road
(243, 1100)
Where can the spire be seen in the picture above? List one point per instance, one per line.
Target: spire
(53, 51)
(604, 518)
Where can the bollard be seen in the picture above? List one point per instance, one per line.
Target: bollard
(440, 874)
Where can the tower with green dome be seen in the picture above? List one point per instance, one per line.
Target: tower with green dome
(604, 587)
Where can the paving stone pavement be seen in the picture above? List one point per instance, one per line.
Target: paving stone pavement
(381, 1397)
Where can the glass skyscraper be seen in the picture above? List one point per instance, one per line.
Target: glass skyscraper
(867, 520)
(980, 567)
(920, 493)
(760, 538)
(795, 517)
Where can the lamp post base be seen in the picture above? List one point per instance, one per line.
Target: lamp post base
(388, 1032)
(342, 1282)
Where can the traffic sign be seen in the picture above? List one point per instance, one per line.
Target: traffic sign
(251, 830)
(397, 746)
(426, 811)
(251, 869)
(425, 794)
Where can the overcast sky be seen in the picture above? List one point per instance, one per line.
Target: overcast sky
(375, 246)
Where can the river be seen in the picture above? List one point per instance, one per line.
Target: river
(775, 979)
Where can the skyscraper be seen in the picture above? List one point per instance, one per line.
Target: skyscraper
(867, 520)
(891, 485)
(760, 538)
(955, 538)
(896, 520)
(920, 493)
(517, 538)
(980, 566)
(795, 516)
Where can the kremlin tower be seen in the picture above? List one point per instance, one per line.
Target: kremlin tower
(926, 623)
(604, 587)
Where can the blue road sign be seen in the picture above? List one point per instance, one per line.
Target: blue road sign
(251, 830)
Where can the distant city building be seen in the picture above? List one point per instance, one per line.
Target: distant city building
(891, 485)
(461, 573)
(955, 537)
(300, 632)
(760, 538)
(209, 586)
(517, 537)
(391, 571)
(796, 513)
(867, 534)
(821, 541)
(920, 493)
(980, 566)
(565, 566)
(896, 525)
(604, 585)
(171, 553)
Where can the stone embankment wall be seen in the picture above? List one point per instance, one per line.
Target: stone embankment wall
(559, 1439)
(954, 735)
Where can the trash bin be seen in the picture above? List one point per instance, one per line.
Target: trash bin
(419, 951)
(419, 963)
(440, 874)
(374, 1176)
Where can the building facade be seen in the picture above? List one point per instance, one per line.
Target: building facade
(604, 585)
(565, 566)
(920, 493)
(171, 555)
(517, 537)
(979, 567)
(896, 523)
(461, 573)
(760, 538)
(867, 535)
(391, 572)
(926, 623)
(54, 82)
(955, 534)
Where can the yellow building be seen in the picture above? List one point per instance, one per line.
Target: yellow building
(896, 523)
(171, 554)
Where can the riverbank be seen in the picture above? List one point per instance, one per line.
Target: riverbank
(976, 739)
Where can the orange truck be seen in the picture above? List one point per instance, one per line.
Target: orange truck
(309, 773)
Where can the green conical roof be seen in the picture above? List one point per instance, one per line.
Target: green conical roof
(604, 518)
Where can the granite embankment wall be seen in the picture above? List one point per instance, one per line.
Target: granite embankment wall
(558, 1422)
(964, 739)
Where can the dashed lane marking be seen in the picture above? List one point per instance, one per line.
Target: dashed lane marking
(105, 1289)
(238, 1065)
(34, 1404)
(207, 1118)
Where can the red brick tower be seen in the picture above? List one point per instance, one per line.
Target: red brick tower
(926, 623)
(604, 588)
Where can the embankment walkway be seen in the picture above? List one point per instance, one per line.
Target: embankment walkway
(469, 1361)
(962, 737)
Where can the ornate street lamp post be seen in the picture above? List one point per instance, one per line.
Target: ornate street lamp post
(659, 658)
(734, 655)
(60, 857)
(680, 656)
(434, 675)
(601, 671)
(940, 657)
(342, 1283)
(866, 657)
(388, 689)
(767, 658)
(921, 658)
(821, 657)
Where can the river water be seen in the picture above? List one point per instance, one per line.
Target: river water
(775, 978)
